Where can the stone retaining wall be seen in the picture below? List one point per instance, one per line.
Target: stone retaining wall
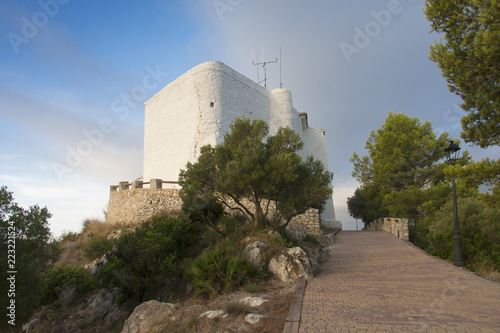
(305, 224)
(300, 225)
(130, 203)
(396, 226)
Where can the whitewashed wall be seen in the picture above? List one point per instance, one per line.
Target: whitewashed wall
(197, 109)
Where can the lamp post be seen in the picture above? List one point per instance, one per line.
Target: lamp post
(452, 153)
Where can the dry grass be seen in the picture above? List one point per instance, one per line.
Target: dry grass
(72, 254)
(185, 317)
(97, 227)
(237, 308)
(276, 313)
(72, 243)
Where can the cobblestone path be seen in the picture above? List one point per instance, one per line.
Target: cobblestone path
(374, 282)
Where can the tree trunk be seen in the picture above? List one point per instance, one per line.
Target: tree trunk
(260, 219)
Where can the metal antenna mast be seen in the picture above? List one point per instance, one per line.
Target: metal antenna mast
(264, 65)
(281, 81)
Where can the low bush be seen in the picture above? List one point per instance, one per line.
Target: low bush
(419, 233)
(203, 211)
(144, 262)
(219, 271)
(59, 281)
(282, 241)
(479, 229)
(233, 226)
(96, 247)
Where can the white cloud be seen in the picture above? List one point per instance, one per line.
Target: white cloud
(70, 202)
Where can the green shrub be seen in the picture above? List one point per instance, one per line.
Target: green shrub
(149, 259)
(232, 225)
(203, 211)
(282, 241)
(419, 233)
(310, 239)
(219, 271)
(62, 279)
(479, 227)
(96, 247)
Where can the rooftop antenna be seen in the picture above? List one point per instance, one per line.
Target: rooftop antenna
(264, 65)
(257, 68)
(281, 81)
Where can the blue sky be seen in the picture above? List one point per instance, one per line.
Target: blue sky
(74, 72)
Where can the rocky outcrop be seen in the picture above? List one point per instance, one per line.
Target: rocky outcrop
(99, 308)
(254, 253)
(214, 314)
(253, 318)
(148, 317)
(253, 301)
(316, 256)
(95, 266)
(291, 265)
(101, 304)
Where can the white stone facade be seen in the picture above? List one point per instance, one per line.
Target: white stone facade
(197, 109)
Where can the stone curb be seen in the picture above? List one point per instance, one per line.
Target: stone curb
(293, 318)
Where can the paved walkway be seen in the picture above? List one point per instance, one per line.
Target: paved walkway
(374, 282)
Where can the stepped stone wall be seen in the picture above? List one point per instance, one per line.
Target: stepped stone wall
(306, 224)
(396, 226)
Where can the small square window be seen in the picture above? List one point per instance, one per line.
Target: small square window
(212, 104)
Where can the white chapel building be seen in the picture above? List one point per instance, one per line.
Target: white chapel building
(197, 108)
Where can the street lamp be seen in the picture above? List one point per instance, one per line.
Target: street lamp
(452, 153)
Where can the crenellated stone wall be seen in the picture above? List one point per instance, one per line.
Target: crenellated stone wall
(131, 203)
(396, 226)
